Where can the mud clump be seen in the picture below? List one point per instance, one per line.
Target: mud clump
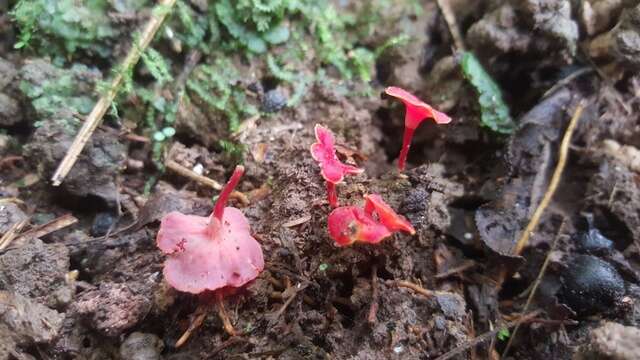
(615, 191)
(39, 271)
(611, 341)
(24, 323)
(141, 346)
(510, 28)
(112, 308)
(591, 285)
(58, 98)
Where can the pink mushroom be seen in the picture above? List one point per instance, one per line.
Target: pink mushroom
(331, 168)
(210, 254)
(416, 112)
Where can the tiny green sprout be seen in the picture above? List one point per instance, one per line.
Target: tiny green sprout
(503, 334)
(323, 267)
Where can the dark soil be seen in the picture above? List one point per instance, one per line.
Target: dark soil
(95, 289)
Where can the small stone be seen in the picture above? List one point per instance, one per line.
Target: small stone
(590, 285)
(38, 270)
(111, 309)
(611, 341)
(102, 223)
(274, 100)
(141, 346)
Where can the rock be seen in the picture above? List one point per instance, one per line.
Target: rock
(614, 191)
(10, 214)
(112, 308)
(8, 71)
(452, 305)
(60, 97)
(611, 341)
(10, 113)
(598, 15)
(141, 346)
(95, 171)
(102, 223)
(590, 285)
(273, 101)
(38, 270)
(29, 322)
(622, 42)
(499, 31)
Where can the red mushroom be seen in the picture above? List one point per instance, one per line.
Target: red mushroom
(332, 169)
(416, 112)
(349, 224)
(210, 254)
(386, 215)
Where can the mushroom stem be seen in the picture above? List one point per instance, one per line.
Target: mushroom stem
(332, 194)
(218, 209)
(222, 313)
(406, 143)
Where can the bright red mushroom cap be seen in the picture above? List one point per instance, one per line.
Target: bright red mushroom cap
(349, 224)
(324, 152)
(210, 253)
(386, 216)
(417, 110)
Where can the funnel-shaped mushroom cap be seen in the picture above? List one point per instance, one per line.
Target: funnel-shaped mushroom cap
(349, 224)
(416, 110)
(386, 216)
(324, 152)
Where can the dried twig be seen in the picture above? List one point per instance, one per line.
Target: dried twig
(373, 310)
(536, 283)
(11, 234)
(450, 19)
(415, 287)
(188, 173)
(45, 229)
(94, 118)
(553, 184)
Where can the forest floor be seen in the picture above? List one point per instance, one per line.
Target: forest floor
(229, 82)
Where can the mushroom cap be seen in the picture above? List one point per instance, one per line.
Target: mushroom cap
(324, 152)
(205, 256)
(349, 224)
(417, 110)
(386, 215)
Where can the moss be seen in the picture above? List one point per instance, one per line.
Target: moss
(63, 27)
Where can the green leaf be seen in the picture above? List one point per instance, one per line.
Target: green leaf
(277, 35)
(503, 334)
(494, 112)
(256, 44)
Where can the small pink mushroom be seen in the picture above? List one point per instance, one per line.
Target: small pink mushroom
(331, 168)
(210, 254)
(416, 112)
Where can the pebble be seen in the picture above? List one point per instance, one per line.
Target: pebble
(273, 101)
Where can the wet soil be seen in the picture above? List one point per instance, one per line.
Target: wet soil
(95, 289)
